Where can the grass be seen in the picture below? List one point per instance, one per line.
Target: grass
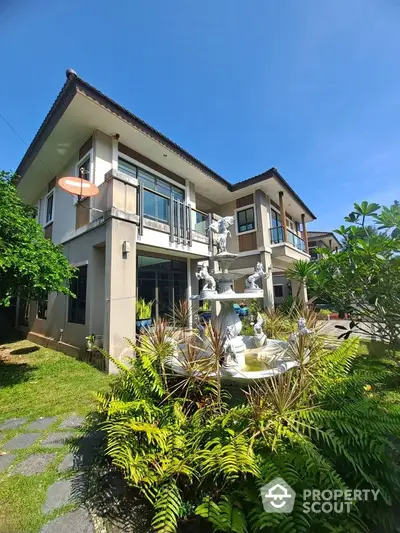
(374, 357)
(39, 382)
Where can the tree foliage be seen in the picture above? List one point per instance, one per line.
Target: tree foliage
(363, 279)
(30, 264)
(190, 452)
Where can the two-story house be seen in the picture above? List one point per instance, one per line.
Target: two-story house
(316, 239)
(144, 233)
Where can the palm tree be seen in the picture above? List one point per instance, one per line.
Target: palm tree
(301, 271)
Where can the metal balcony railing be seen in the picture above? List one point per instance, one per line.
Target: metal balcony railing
(181, 218)
(293, 239)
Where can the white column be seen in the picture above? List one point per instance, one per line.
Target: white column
(114, 155)
(268, 284)
(189, 292)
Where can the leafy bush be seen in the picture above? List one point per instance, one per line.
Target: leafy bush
(190, 453)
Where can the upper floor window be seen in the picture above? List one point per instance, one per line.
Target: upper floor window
(77, 306)
(156, 205)
(275, 218)
(84, 167)
(49, 207)
(245, 219)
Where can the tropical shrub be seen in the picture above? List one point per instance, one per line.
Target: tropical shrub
(364, 278)
(191, 453)
(30, 264)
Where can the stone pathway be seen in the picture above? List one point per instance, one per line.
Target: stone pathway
(50, 433)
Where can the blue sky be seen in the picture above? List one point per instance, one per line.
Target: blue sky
(310, 87)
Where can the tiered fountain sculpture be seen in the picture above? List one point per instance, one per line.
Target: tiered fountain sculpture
(245, 357)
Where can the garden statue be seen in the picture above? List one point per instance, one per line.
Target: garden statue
(258, 273)
(259, 335)
(230, 358)
(209, 281)
(220, 227)
(302, 330)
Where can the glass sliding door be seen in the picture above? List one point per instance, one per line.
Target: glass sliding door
(162, 280)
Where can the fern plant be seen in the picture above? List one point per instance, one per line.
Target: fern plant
(194, 452)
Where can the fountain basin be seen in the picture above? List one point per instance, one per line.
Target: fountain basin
(258, 363)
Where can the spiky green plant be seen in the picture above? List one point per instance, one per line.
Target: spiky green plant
(190, 453)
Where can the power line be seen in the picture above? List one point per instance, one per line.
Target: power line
(23, 140)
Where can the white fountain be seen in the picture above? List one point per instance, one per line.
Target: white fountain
(246, 358)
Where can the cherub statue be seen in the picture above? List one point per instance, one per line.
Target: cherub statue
(220, 227)
(251, 280)
(230, 358)
(302, 330)
(259, 335)
(209, 281)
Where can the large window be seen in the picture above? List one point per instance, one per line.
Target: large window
(278, 291)
(156, 205)
(42, 307)
(77, 306)
(245, 220)
(162, 281)
(50, 207)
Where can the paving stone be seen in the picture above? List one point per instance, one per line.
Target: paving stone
(72, 422)
(42, 423)
(78, 521)
(56, 440)
(13, 423)
(24, 440)
(5, 461)
(58, 495)
(34, 464)
(67, 463)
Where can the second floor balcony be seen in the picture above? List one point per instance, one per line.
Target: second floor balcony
(183, 223)
(291, 247)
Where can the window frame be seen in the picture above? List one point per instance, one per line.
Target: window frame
(244, 208)
(50, 193)
(155, 173)
(70, 299)
(88, 155)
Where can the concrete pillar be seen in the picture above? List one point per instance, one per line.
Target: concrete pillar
(283, 215)
(120, 266)
(268, 284)
(300, 290)
(263, 236)
(120, 289)
(304, 226)
(189, 292)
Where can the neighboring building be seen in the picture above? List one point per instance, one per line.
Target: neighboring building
(322, 239)
(316, 239)
(145, 232)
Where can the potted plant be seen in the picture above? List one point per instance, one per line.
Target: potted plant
(143, 313)
(90, 342)
(205, 311)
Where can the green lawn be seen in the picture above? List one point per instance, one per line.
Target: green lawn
(45, 382)
(38, 382)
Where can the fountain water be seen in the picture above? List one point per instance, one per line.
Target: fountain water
(245, 357)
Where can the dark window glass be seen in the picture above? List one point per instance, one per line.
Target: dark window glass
(49, 207)
(246, 220)
(42, 307)
(23, 312)
(276, 219)
(278, 291)
(77, 306)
